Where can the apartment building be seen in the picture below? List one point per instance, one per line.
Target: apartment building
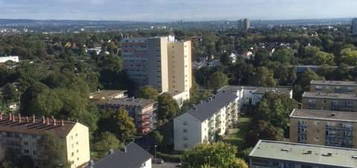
(329, 101)
(23, 134)
(354, 26)
(161, 62)
(146, 61)
(141, 110)
(206, 121)
(331, 128)
(333, 86)
(132, 156)
(251, 95)
(180, 70)
(107, 95)
(276, 154)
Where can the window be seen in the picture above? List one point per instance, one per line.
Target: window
(184, 130)
(185, 123)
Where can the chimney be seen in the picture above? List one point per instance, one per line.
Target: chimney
(33, 119)
(27, 119)
(62, 123)
(48, 121)
(1, 114)
(10, 117)
(43, 120)
(20, 119)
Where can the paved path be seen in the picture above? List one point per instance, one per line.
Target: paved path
(165, 165)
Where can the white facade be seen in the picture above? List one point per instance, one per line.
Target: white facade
(147, 164)
(9, 58)
(250, 95)
(212, 118)
(190, 130)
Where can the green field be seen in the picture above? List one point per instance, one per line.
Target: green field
(236, 136)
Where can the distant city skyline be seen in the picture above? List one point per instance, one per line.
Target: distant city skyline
(171, 10)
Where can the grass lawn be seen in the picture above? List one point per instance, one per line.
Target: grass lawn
(236, 135)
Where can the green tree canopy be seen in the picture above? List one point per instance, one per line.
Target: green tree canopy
(213, 155)
(167, 107)
(349, 56)
(148, 92)
(284, 55)
(124, 125)
(104, 143)
(217, 80)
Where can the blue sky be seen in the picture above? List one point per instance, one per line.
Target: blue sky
(168, 10)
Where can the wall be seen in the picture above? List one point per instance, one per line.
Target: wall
(77, 142)
(193, 134)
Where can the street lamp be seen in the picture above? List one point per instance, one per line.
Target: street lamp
(155, 146)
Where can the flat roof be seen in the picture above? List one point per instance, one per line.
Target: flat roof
(259, 90)
(128, 102)
(106, 94)
(332, 83)
(305, 153)
(324, 115)
(321, 95)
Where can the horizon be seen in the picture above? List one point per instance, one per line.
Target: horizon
(172, 21)
(177, 10)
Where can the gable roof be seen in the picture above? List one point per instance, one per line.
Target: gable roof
(35, 126)
(207, 108)
(133, 157)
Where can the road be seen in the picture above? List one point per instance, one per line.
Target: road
(165, 165)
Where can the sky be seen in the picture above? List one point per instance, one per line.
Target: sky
(173, 10)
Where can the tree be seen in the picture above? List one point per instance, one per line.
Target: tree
(263, 77)
(284, 55)
(321, 58)
(217, 80)
(148, 92)
(313, 55)
(124, 125)
(53, 152)
(275, 108)
(212, 155)
(261, 57)
(104, 143)
(349, 56)
(167, 107)
(303, 82)
(158, 138)
(263, 130)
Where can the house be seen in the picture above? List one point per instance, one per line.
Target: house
(23, 134)
(132, 156)
(277, 154)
